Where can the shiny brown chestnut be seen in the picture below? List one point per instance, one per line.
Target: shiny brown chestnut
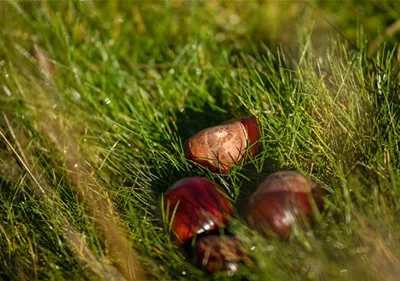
(220, 253)
(196, 205)
(282, 199)
(220, 147)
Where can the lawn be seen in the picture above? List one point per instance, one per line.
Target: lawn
(97, 99)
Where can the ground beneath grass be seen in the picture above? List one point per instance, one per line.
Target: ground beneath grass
(98, 98)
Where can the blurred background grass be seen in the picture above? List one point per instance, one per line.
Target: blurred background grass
(97, 99)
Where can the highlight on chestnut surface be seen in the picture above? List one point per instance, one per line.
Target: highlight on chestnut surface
(220, 253)
(221, 147)
(281, 200)
(196, 206)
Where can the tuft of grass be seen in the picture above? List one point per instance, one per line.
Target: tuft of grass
(97, 100)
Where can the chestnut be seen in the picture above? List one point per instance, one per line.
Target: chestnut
(282, 199)
(196, 205)
(220, 253)
(220, 147)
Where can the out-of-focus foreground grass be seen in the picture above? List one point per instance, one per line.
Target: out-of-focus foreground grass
(97, 99)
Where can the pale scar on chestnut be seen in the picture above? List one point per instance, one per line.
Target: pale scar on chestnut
(220, 146)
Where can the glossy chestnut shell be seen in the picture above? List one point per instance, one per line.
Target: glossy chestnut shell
(283, 199)
(196, 205)
(220, 253)
(220, 147)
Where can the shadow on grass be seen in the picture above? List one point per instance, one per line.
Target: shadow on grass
(191, 121)
(255, 178)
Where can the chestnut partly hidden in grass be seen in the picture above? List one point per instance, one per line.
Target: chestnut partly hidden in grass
(283, 199)
(196, 206)
(200, 211)
(220, 253)
(220, 147)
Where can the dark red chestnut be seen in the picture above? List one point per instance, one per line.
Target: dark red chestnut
(220, 253)
(220, 147)
(196, 205)
(281, 200)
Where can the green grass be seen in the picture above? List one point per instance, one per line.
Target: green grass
(93, 147)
